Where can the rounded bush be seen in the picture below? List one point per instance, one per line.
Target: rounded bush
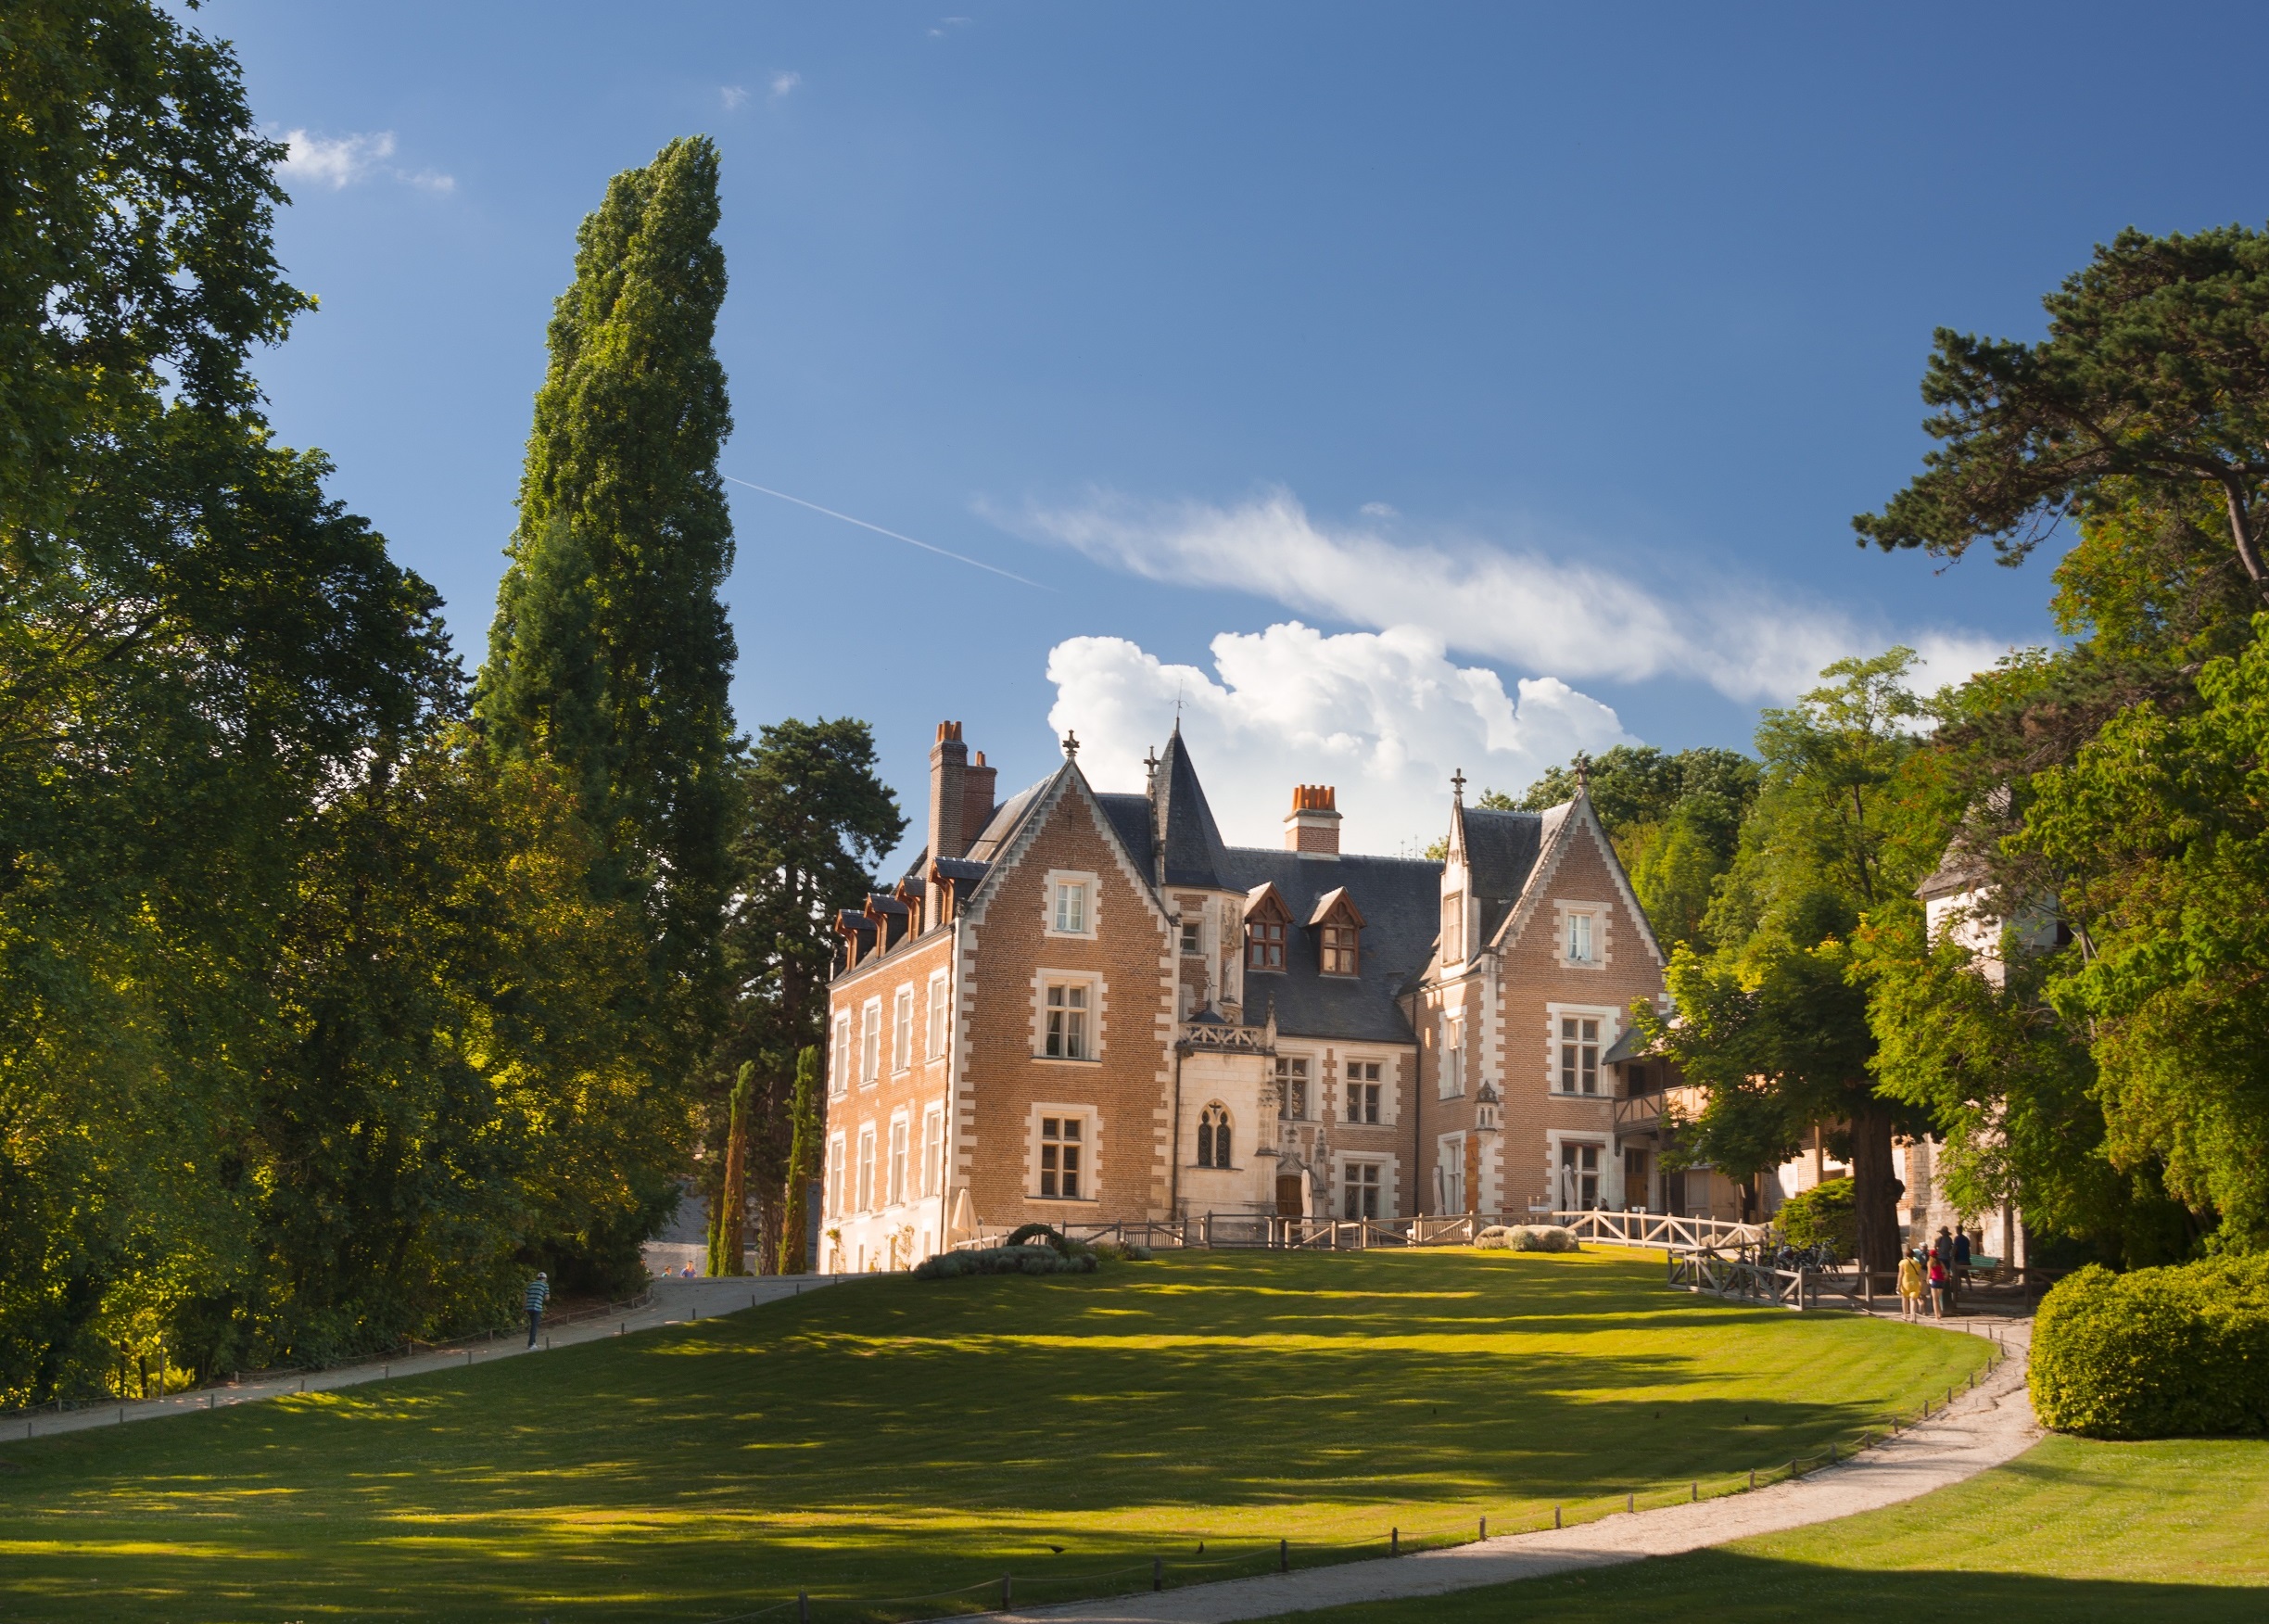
(1824, 1212)
(1538, 1237)
(1004, 1260)
(2155, 1352)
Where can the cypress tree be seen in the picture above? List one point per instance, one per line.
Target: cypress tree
(803, 1164)
(727, 1245)
(609, 653)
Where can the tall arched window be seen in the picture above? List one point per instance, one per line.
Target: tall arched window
(1213, 1135)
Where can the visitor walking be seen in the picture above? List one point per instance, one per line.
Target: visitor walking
(1942, 1287)
(1911, 1286)
(1961, 1259)
(538, 1293)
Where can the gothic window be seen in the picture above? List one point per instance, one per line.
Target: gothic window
(1579, 1052)
(1213, 1141)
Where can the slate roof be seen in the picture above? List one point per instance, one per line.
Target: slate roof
(1501, 849)
(1401, 902)
(1190, 842)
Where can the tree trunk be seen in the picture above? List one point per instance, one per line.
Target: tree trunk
(1874, 1191)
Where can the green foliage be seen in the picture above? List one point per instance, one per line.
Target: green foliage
(2155, 1353)
(2162, 826)
(2155, 371)
(803, 1163)
(1011, 1259)
(1824, 1214)
(611, 654)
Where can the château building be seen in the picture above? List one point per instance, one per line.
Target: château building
(1081, 1008)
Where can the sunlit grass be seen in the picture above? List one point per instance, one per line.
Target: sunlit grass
(2070, 1531)
(891, 1437)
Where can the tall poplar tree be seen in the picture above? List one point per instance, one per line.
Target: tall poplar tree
(609, 653)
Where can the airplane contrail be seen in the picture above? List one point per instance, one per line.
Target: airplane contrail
(862, 524)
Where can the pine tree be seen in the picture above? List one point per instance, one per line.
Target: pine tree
(609, 653)
(803, 1164)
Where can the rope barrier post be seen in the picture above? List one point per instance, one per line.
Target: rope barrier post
(802, 1607)
(1555, 1516)
(1284, 1555)
(1832, 1453)
(1004, 1593)
(1394, 1536)
(1484, 1528)
(1630, 1503)
(1157, 1573)
(1751, 1477)
(1696, 1496)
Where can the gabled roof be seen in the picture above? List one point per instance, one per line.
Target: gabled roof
(1500, 853)
(1190, 851)
(1261, 896)
(1555, 827)
(1337, 898)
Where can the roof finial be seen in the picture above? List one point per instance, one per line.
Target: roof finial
(1180, 682)
(1071, 746)
(1457, 786)
(1583, 772)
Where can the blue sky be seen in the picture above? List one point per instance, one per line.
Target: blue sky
(1400, 387)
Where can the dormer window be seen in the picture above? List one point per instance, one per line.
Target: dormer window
(1339, 924)
(1267, 926)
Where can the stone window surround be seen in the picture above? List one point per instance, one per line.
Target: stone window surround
(937, 1022)
(871, 1041)
(1091, 1158)
(1097, 989)
(902, 1028)
(1611, 1027)
(1092, 904)
(1601, 949)
(1611, 1165)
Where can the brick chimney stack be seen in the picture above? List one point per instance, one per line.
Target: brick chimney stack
(948, 806)
(977, 790)
(1311, 827)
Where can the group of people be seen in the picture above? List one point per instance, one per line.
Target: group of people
(1940, 1269)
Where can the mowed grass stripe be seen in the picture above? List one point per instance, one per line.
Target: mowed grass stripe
(889, 1438)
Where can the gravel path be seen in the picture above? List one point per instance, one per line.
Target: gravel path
(1980, 1430)
(675, 1301)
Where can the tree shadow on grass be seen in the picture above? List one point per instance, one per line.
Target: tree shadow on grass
(894, 1437)
(1725, 1584)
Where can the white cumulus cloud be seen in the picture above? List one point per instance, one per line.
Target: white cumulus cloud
(339, 162)
(782, 83)
(1385, 716)
(1530, 607)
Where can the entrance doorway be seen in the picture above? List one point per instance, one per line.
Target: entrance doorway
(1289, 1202)
(1635, 1182)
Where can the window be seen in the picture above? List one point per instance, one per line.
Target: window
(1450, 1174)
(1579, 938)
(1193, 937)
(1339, 949)
(1362, 1091)
(1060, 1143)
(866, 1171)
(1213, 1141)
(1292, 1088)
(897, 1192)
(838, 1072)
(902, 1029)
(1453, 928)
(933, 1152)
(1452, 1082)
(1579, 1176)
(1362, 1189)
(871, 1041)
(1264, 943)
(835, 1202)
(1579, 1052)
(1067, 1021)
(1072, 907)
(934, 1046)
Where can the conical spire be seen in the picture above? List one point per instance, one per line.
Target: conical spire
(1190, 850)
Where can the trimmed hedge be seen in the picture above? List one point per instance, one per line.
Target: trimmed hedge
(1539, 1238)
(2170, 1353)
(1004, 1260)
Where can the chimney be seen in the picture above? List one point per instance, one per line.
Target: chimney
(977, 785)
(948, 797)
(1311, 827)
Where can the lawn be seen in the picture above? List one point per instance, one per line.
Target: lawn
(2154, 1533)
(889, 1437)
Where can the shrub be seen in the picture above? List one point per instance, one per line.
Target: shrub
(2155, 1352)
(1538, 1237)
(1004, 1260)
(1119, 1252)
(1039, 1233)
(1823, 1213)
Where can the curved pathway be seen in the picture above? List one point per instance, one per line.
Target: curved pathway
(1982, 1428)
(675, 1301)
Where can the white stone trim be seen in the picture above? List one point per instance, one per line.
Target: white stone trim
(1043, 977)
(1091, 1143)
(1090, 883)
(1611, 1027)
